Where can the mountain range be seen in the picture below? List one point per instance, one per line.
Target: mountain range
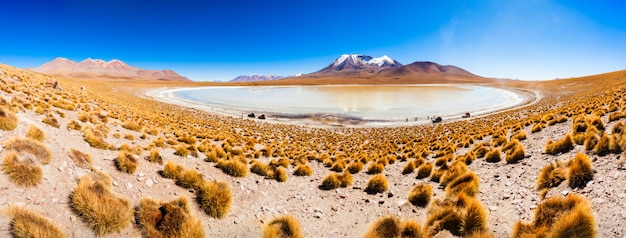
(98, 67)
(384, 67)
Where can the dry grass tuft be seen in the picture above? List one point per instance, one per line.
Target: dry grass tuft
(126, 162)
(29, 224)
(214, 198)
(74, 125)
(355, 167)
(420, 195)
(570, 216)
(8, 120)
(411, 229)
(493, 156)
(27, 145)
(303, 170)
(474, 218)
(35, 133)
(580, 171)
(551, 176)
(81, 159)
(377, 184)
(51, 120)
(384, 227)
(155, 156)
(285, 226)
(561, 146)
(233, 167)
(104, 211)
(171, 219)
(259, 168)
(515, 154)
(280, 174)
(409, 167)
(467, 183)
(424, 170)
(331, 181)
(95, 138)
(607, 145)
(375, 168)
(132, 125)
(21, 172)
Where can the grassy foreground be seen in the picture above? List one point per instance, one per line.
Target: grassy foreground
(113, 119)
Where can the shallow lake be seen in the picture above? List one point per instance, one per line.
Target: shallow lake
(379, 102)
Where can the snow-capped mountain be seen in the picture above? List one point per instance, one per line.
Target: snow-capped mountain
(256, 77)
(359, 62)
(262, 77)
(114, 68)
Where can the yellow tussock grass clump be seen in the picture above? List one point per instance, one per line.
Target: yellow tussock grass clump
(303, 170)
(411, 229)
(467, 183)
(383, 227)
(155, 156)
(74, 125)
(493, 156)
(132, 125)
(520, 135)
(233, 167)
(104, 211)
(346, 179)
(515, 154)
(51, 120)
(420, 195)
(338, 166)
(22, 172)
(607, 145)
(424, 170)
(280, 174)
(551, 176)
(286, 226)
(452, 172)
(25, 223)
(95, 138)
(462, 216)
(331, 181)
(409, 167)
(27, 145)
(355, 167)
(375, 168)
(259, 168)
(377, 184)
(8, 120)
(570, 216)
(172, 219)
(126, 162)
(81, 159)
(214, 198)
(186, 178)
(35, 133)
(561, 146)
(580, 171)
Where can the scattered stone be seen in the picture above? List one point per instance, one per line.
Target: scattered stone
(115, 183)
(129, 186)
(533, 206)
(389, 194)
(516, 201)
(149, 183)
(141, 174)
(506, 196)
(493, 208)
(317, 215)
(381, 202)
(565, 192)
(597, 200)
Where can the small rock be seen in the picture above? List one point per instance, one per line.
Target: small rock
(317, 215)
(129, 186)
(493, 208)
(236, 222)
(141, 174)
(533, 206)
(381, 202)
(140, 179)
(72, 218)
(335, 208)
(496, 175)
(149, 182)
(597, 200)
(565, 192)
(506, 196)
(115, 183)
(516, 201)
(367, 200)
(389, 194)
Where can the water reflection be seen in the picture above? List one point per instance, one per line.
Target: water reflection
(371, 102)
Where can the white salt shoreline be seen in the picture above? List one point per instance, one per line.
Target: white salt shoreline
(168, 95)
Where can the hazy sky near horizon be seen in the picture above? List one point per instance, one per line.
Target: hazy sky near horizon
(219, 40)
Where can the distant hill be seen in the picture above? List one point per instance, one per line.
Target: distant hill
(98, 67)
(426, 68)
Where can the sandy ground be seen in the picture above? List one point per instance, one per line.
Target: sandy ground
(506, 190)
(168, 95)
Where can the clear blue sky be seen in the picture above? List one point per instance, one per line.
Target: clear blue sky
(219, 40)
